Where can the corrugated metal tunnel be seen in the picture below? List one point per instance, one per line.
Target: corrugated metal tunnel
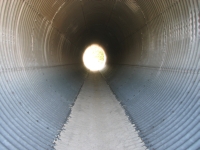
(153, 67)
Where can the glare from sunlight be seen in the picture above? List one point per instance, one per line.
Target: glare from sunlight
(94, 57)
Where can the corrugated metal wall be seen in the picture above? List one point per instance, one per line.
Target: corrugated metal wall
(154, 62)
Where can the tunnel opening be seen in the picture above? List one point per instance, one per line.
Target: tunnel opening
(152, 50)
(94, 58)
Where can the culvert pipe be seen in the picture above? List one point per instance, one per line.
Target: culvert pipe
(153, 64)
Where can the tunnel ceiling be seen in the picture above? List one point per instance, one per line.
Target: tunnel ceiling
(112, 23)
(104, 22)
(114, 20)
(153, 68)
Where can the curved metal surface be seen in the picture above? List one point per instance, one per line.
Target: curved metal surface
(153, 53)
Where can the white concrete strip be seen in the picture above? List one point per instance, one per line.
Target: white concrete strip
(98, 122)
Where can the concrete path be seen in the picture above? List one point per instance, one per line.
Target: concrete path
(98, 122)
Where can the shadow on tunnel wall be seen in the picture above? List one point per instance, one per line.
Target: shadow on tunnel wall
(153, 67)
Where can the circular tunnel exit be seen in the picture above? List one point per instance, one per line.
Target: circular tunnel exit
(94, 57)
(152, 68)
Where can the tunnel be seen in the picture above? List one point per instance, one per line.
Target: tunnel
(152, 68)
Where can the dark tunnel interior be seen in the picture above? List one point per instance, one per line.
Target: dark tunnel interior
(153, 67)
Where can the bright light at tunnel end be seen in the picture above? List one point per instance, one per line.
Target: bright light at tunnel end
(94, 57)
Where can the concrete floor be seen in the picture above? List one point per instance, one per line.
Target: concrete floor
(98, 122)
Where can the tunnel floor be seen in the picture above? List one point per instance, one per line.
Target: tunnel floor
(98, 121)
